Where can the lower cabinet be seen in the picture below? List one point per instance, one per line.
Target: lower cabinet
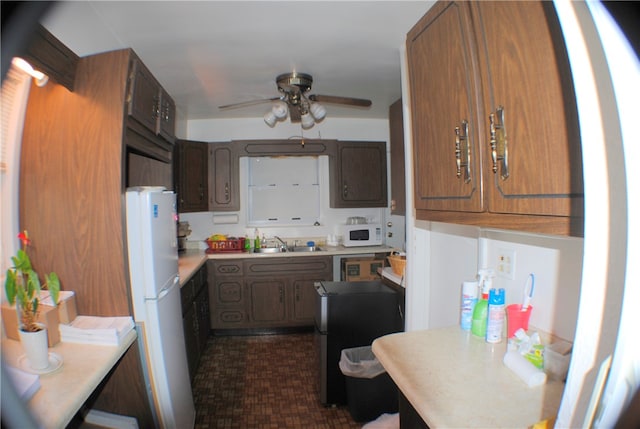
(195, 317)
(265, 293)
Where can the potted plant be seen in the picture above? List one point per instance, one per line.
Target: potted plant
(22, 286)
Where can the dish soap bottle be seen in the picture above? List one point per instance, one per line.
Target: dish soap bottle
(256, 239)
(479, 318)
(495, 315)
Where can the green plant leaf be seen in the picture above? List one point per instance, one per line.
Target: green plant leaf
(53, 284)
(10, 286)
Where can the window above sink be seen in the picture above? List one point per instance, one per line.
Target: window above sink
(283, 191)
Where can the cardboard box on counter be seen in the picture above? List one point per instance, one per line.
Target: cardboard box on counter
(66, 305)
(360, 270)
(50, 315)
(47, 316)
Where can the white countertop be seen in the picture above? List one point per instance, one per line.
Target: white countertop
(456, 380)
(64, 391)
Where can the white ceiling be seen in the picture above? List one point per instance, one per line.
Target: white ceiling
(211, 53)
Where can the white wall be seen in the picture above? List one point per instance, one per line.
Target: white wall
(445, 255)
(224, 130)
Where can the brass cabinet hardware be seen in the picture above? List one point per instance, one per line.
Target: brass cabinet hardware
(499, 150)
(463, 151)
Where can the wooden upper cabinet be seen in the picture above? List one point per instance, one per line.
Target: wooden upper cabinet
(396, 155)
(444, 85)
(525, 71)
(224, 178)
(358, 175)
(491, 81)
(167, 119)
(149, 103)
(191, 172)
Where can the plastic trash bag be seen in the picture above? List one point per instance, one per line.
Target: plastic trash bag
(360, 362)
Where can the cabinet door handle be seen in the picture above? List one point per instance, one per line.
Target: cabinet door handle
(498, 140)
(463, 151)
(226, 192)
(345, 190)
(281, 294)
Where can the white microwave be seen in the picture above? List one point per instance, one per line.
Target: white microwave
(362, 235)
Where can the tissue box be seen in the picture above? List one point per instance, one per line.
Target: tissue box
(48, 316)
(67, 310)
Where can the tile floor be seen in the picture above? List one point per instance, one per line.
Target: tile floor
(267, 381)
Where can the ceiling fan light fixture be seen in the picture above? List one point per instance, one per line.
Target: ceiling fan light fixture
(280, 109)
(270, 118)
(306, 120)
(318, 111)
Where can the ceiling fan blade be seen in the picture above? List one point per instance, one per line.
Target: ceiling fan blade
(248, 103)
(358, 102)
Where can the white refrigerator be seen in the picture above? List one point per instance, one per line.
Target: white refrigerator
(155, 290)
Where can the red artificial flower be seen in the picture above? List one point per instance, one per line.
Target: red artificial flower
(24, 237)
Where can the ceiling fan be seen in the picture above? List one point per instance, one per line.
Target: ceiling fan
(294, 100)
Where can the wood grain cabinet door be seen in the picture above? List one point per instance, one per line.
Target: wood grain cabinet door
(192, 169)
(224, 178)
(359, 175)
(525, 71)
(144, 102)
(444, 85)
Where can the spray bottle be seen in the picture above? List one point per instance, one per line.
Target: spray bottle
(479, 318)
(495, 316)
(468, 302)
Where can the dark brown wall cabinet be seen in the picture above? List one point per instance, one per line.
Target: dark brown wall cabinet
(224, 178)
(191, 170)
(150, 104)
(396, 155)
(495, 130)
(265, 294)
(358, 174)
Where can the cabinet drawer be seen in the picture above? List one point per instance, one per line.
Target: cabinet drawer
(229, 318)
(230, 267)
(289, 265)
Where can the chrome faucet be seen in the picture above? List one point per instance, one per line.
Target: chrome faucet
(284, 244)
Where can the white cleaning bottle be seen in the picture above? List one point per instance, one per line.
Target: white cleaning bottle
(468, 302)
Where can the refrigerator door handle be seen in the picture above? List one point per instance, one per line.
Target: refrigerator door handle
(165, 291)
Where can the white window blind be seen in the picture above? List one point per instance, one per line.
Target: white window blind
(284, 191)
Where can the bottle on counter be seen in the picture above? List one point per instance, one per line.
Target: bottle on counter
(495, 315)
(467, 304)
(256, 239)
(247, 244)
(479, 318)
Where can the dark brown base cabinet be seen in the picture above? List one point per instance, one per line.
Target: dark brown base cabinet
(195, 317)
(265, 294)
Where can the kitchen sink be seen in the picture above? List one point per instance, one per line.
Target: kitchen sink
(267, 250)
(305, 249)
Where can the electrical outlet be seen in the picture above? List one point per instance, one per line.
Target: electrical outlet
(506, 263)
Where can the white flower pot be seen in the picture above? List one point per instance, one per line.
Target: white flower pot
(36, 347)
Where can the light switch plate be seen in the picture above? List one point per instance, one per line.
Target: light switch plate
(506, 264)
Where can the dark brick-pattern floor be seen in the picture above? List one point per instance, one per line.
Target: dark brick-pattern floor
(266, 381)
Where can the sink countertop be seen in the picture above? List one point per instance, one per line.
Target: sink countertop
(191, 260)
(454, 379)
